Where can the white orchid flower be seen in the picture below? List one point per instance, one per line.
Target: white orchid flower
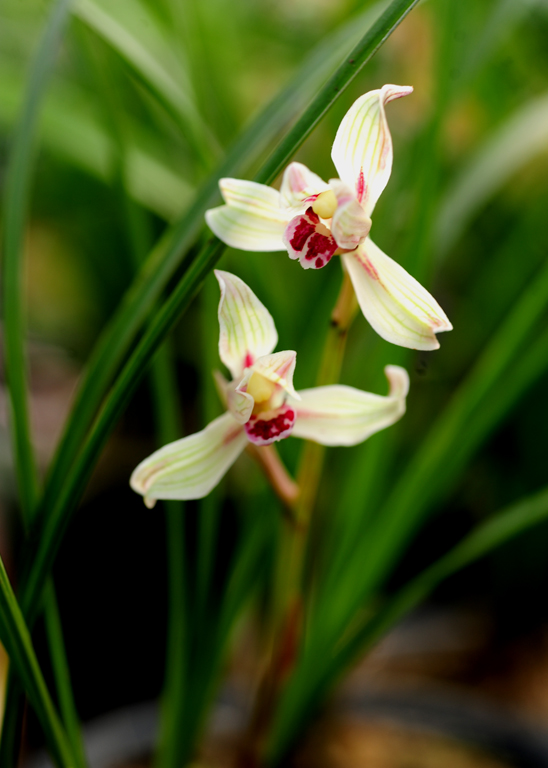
(314, 221)
(263, 406)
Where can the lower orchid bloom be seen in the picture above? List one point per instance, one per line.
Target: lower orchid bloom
(263, 406)
(314, 221)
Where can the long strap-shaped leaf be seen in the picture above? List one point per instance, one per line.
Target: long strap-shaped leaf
(48, 534)
(15, 211)
(485, 538)
(17, 194)
(16, 639)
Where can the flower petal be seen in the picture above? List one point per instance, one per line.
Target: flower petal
(240, 404)
(299, 184)
(247, 330)
(341, 415)
(350, 224)
(308, 240)
(278, 368)
(252, 219)
(396, 305)
(362, 150)
(270, 426)
(191, 467)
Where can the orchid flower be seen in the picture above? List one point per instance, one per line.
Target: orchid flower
(314, 221)
(263, 406)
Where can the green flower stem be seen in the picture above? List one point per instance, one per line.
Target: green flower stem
(288, 600)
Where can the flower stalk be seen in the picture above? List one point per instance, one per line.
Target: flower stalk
(290, 601)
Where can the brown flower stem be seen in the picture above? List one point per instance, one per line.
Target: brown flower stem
(284, 486)
(299, 499)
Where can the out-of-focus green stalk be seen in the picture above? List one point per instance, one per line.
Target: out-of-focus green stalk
(289, 599)
(16, 640)
(59, 663)
(491, 534)
(49, 531)
(16, 203)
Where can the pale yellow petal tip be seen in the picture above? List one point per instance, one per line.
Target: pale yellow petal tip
(390, 92)
(150, 503)
(398, 380)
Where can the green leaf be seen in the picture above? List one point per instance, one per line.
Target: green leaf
(137, 35)
(17, 193)
(16, 640)
(72, 129)
(516, 142)
(495, 532)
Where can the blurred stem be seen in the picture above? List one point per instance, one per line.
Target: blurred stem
(418, 253)
(16, 204)
(313, 455)
(59, 663)
(163, 381)
(289, 599)
(285, 488)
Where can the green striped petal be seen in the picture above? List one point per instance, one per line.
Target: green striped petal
(247, 330)
(362, 150)
(397, 306)
(341, 415)
(252, 219)
(190, 468)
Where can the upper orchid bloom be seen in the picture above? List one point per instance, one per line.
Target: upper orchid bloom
(313, 221)
(263, 406)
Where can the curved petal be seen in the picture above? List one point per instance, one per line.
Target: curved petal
(396, 305)
(251, 220)
(350, 224)
(362, 150)
(308, 240)
(240, 405)
(191, 467)
(271, 426)
(247, 330)
(341, 415)
(278, 368)
(298, 185)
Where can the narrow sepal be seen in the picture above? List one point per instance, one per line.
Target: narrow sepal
(362, 150)
(191, 467)
(251, 219)
(341, 415)
(397, 306)
(247, 330)
(246, 230)
(308, 240)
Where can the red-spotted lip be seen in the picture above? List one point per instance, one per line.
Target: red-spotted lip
(308, 240)
(271, 426)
